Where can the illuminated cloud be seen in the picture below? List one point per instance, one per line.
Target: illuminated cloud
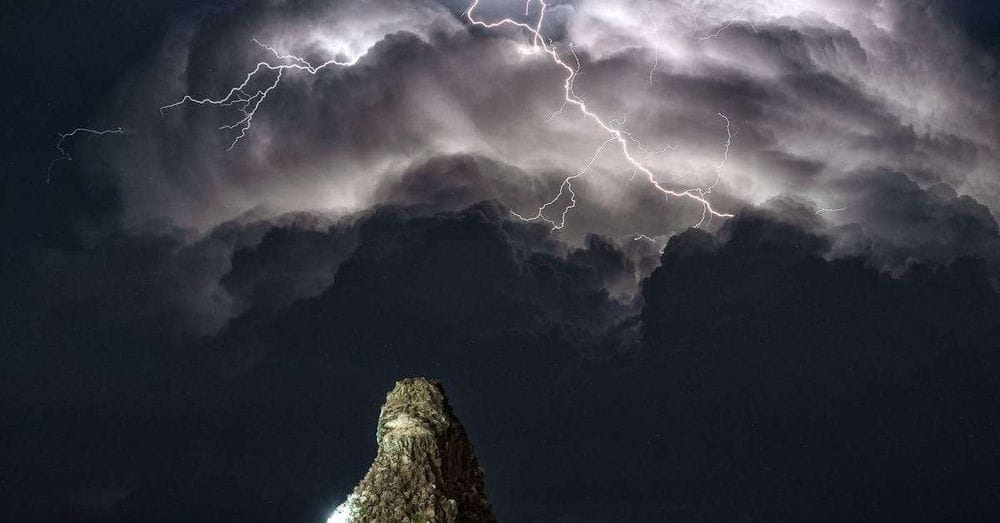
(815, 93)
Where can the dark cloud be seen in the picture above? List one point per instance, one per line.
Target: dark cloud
(900, 222)
(797, 172)
(615, 270)
(756, 358)
(449, 183)
(796, 385)
(290, 262)
(783, 364)
(139, 298)
(422, 267)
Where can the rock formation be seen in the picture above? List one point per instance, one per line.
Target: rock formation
(425, 469)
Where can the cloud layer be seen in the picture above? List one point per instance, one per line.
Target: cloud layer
(818, 95)
(206, 334)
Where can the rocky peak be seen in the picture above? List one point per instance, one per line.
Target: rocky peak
(425, 469)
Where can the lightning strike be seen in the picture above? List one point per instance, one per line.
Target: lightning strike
(616, 135)
(247, 103)
(722, 29)
(725, 153)
(572, 50)
(64, 154)
(706, 218)
(566, 186)
(656, 44)
(825, 210)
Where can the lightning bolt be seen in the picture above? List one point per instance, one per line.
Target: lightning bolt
(566, 186)
(824, 210)
(61, 144)
(247, 102)
(616, 135)
(721, 29)
(725, 155)
(656, 45)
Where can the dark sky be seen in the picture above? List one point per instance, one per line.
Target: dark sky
(194, 334)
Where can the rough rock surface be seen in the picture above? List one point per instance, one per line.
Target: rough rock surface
(425, 469)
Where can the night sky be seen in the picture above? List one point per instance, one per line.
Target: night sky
(199, 323)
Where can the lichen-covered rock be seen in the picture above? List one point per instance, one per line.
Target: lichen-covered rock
(425, 469)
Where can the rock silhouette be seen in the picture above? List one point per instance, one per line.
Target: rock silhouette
(425, 469)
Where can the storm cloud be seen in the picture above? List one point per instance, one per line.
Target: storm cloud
(198, 333)
(816, 95)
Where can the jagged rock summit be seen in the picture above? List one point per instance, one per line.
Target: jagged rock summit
(425, 469)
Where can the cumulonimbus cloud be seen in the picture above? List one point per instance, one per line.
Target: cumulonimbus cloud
(819, 96)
